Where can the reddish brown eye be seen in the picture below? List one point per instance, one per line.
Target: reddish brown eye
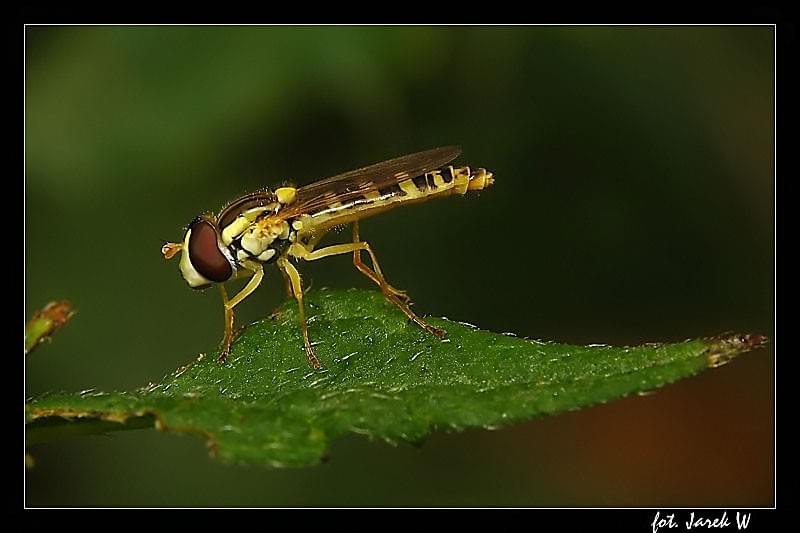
(204, 252)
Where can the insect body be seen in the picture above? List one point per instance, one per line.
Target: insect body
(286, 224)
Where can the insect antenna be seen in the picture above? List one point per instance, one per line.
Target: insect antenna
(170, 249)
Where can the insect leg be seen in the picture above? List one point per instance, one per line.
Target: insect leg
(375, 275)
(297, 288)
(228, 338)
(287, 282)
(399, 298)
(254, 282)
(338, 249)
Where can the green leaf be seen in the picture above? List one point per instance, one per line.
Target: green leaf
(46, 322)
(381, 377)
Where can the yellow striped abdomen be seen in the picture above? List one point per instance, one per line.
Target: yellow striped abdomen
(438, 183)
(459, 180)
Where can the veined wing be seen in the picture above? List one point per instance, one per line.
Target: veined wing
(353, 184)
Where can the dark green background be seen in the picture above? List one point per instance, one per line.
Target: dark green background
(633, 203)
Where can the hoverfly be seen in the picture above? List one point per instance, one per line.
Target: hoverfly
(286, 224)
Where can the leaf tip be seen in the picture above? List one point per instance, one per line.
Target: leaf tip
(722, 349)
(46, 322)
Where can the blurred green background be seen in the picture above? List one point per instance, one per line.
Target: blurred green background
(633, 203)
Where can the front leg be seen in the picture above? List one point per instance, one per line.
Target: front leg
(252, 285)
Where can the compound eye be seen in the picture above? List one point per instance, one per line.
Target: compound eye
(204, 253)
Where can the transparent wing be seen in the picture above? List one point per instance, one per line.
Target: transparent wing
(352, 184)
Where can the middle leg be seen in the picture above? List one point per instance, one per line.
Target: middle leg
(297, 288)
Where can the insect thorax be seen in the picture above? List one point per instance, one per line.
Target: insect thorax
(257, 234)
